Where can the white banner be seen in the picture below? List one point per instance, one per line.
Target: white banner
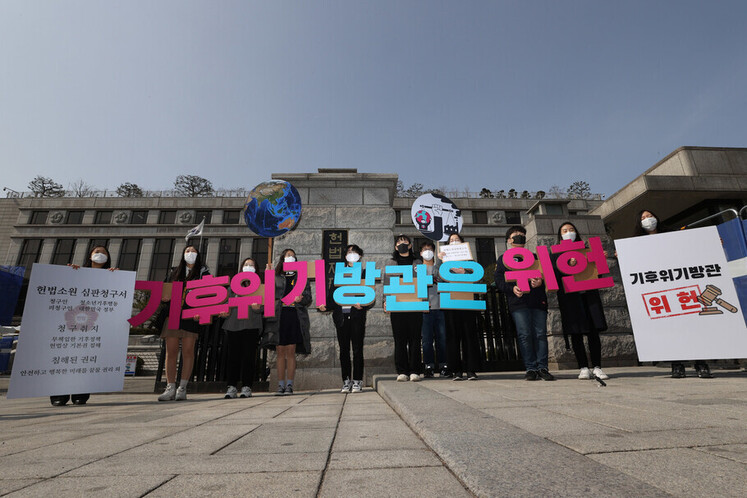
(74, 332)
(681, 297)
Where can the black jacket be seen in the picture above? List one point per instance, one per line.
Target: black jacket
(536, 298)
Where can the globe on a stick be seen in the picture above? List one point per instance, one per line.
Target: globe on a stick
(272, 208)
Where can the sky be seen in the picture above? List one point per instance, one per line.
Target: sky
(525, 94)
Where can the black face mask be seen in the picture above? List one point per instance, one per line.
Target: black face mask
(402, 248)
(520, 240)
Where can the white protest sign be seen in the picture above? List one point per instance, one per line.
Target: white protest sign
(436, 217)
(456, 252)
(681, 297)
(74, 332)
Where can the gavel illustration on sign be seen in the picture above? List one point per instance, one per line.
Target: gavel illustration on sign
(710, 296)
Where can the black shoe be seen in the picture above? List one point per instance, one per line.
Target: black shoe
(428, 372)
(59, 400)
(446, 374)
(471, 376)
(531, 375)
(678, 371)
(80, 399)
(458, 376)
(703, 371)
(545, 375)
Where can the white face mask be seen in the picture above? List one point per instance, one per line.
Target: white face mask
(352, 257)
(190, 257)
(427, 255)
(99, 258)
(568, 236)
(249, 268)
(649, 224)
(290, 259)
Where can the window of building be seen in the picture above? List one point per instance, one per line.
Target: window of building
(231, 216)
(38, 217)
(228, 257)
(160, 263)
(203, 213)
(30, 252)
(74, 217)
(259, 252)
(397, 217)
(167, 217)
(96, 242)
(485, 251)
(554, 209)
(63, 252)
(129, 254)
(139, 217)
(480, 217)
(513, 217)
(103, 217)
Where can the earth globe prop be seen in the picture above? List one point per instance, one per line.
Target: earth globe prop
(436, 216)
(272, 208)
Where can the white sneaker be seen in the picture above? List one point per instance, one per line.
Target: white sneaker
(599, 373)
(246, 392)
(357, 386)
(414, 378)
(181, 393)
(169, 393)
(345, 386)
(585, 374)
(231, 392)
(402, 378)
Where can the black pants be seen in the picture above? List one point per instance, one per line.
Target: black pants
(353, 330)
(242, 356)
(595, 349)
(462, 348)
(406, 327)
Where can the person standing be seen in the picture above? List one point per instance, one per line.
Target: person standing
(462, 338)
(99, 258)
(190, 268)
(290, 324)
(242, 338)
(350, 323)
(582, 315)
(406, 326)
(529, 312)
(434, 322)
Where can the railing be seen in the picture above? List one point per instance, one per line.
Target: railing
(499, 348)
(499, 194)
(12, 194)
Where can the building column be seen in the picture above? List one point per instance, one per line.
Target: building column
(146, 255)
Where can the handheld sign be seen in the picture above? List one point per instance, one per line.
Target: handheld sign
(456, 252)
(436, 217)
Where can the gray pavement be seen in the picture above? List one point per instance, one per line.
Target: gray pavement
(644, 434)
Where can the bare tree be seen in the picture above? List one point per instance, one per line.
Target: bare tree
(579, 190)
(79, 188)
(129, 190)
(555, 192)
(193, 186)
(42, 186)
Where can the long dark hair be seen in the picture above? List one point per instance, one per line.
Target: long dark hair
(243, 263)
(279, 267)
(403, 237)
(461, 239)
(106, 265)
(180, 272)
(578, 234)
(639, 229)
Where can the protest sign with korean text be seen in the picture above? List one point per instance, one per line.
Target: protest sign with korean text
(681, 297)
(74, 332)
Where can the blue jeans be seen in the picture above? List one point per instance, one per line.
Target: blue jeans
(434, 327)
(531, 330)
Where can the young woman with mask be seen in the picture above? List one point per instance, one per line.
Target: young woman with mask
(99, 258)
(647, 223)
(350, 322)
(406, 326)
(462, 339)
(190, 268)
(582, 315)
(290, 324)
(242, 338)
(434, 322)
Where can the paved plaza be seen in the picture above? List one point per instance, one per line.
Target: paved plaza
(645, 434)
